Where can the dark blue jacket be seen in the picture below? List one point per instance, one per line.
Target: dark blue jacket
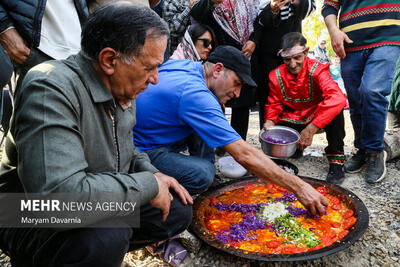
(26, 16)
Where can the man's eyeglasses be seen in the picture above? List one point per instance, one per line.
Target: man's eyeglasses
(206, 42)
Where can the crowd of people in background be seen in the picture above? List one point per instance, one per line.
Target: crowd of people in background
(213, 54)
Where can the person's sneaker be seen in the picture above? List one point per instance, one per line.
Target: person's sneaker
(335, 173)
(355, 163)
(376, 167)
(190, 242)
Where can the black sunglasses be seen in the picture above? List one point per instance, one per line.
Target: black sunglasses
(206, 42)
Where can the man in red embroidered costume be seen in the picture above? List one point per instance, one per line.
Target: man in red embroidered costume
(304, 96)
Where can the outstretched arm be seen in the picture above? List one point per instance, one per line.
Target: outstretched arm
(259, 164)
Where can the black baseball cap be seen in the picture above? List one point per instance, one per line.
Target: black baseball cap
(235, 60)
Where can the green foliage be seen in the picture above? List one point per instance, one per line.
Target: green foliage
(314, 28)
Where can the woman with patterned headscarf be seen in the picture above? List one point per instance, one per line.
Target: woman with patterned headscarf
(320, 52)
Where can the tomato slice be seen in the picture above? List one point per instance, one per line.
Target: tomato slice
(321, 190)
(290, 250)
(273, 244)
(335, 224)
(337, 207)
(272, 191)
(248, 187)
(349, 222)
(214, 201)
(316, 247)
(281, 189)
(348, 214)
(326, 241)
(335, 201)
(332, 234)
(342, 234)
(299, 250)
(214, 224)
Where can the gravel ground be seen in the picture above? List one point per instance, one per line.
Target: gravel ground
(379, 246)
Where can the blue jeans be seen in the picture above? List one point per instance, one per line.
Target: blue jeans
(195, 172)
(368, 76)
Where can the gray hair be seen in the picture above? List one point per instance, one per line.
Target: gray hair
(123, 26)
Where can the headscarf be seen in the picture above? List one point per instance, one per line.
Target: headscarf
(186, 49)
(321, 54)
(263, 4)
(236, 18)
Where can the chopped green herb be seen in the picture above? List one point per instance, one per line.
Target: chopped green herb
(292, 230)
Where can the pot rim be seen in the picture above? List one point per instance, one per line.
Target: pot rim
(277, 127)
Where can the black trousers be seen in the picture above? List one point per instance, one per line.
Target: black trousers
(267, 63)
(240, 120)
(6, 68)
(334, 133)
(35, 58)
(43, 247)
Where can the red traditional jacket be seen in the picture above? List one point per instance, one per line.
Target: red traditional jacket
(313, 96)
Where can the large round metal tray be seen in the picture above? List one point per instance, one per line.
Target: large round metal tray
(353, 202)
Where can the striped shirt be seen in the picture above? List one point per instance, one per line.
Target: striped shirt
(369, 23)
(287, 11)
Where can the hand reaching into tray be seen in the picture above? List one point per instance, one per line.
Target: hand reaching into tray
(311, 199)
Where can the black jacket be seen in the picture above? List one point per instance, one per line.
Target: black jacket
(26, 16)
(273, 28)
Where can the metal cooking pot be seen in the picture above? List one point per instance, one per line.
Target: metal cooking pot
(352, 201)
(286, 134)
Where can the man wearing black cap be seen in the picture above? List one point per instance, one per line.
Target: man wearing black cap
(184, 110)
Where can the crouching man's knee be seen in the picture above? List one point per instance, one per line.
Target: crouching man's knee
(204, 177)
